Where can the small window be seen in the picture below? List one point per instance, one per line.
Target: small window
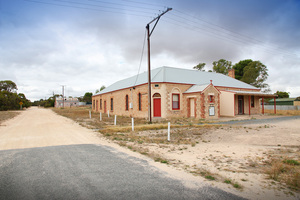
(156, 85)
(111, 104)
(252, 101)
(175, 102)
(93, 104)
(211, 98)
(140, 101)
(126, 102)
(100, 104)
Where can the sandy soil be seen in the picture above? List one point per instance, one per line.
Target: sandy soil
(41, 127)
(233, 152)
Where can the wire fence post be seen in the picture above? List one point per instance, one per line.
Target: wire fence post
(100, 116)
(115, 120)
(169, 124)
(132, 123)
(90, 112)
(108, 113)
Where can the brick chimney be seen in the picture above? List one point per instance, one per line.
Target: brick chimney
(231, 73)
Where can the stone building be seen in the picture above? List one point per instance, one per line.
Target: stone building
(180, 93)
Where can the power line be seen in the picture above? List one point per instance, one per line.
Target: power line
(141, 59)
(85, 8)
(119, 4)
(180, 18)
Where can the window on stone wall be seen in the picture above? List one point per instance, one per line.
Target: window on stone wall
(100, 104)
(252, 101)
(93, 104)
(175, 102)
(140, 101)
(111, 104)
(211, 98)
(126, 102)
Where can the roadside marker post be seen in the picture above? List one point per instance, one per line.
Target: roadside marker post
(132, 123)
(108, 113)
(90, 112)
(115, 120)
(100, 116)
(169, 124)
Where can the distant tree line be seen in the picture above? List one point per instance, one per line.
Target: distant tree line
(50, 102)
(9, 98)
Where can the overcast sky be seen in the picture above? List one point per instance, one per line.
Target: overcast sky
(84, 44)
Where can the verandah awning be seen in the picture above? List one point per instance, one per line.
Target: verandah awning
(260, 94)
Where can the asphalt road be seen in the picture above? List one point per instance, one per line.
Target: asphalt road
(44, 156)
(89, 172)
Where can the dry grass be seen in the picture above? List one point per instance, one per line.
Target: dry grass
(283, 112)
(284, 170)
(5, 115)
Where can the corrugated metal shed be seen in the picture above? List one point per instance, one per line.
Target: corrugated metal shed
(283, 101)
(178, 75)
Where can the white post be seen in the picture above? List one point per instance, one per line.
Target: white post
(115, 119)
(100, 116)
(108, 113)
(169, 131)
(90, 114)
(132, 124)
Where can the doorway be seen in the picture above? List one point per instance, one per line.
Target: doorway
(240, 105)
(156, 105)
(192, 107)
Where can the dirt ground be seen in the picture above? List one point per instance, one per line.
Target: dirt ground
(234, 154)
(41, 127)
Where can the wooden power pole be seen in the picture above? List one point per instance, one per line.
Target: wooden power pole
(149, 33)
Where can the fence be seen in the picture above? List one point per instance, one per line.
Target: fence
(281, 107)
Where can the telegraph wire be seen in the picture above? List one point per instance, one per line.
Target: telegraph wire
(119, 4)
(182, 19)
(141, 59)
(101, 6)
(85, 8)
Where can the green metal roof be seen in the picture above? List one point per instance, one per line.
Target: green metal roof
(178, 75)
(283, 99)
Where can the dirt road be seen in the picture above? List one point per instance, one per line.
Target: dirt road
(40, 128)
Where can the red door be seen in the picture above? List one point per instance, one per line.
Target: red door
(104, 106)
(156, 107)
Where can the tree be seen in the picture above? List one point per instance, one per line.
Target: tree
(8, 85)
(281, 94)
(252, 72)
(102, 88)
(9, 99)
(222, 66)
(239, 68)
(200, 67)
(87, 97)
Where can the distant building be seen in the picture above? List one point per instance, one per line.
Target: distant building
(66, 103)
(286, 101)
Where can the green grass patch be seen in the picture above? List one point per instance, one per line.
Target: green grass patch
(209, 177)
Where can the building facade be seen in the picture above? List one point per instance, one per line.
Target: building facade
(179, 92)
(66, 102)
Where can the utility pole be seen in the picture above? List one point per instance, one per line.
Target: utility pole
(149, 33)
(63, 95)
